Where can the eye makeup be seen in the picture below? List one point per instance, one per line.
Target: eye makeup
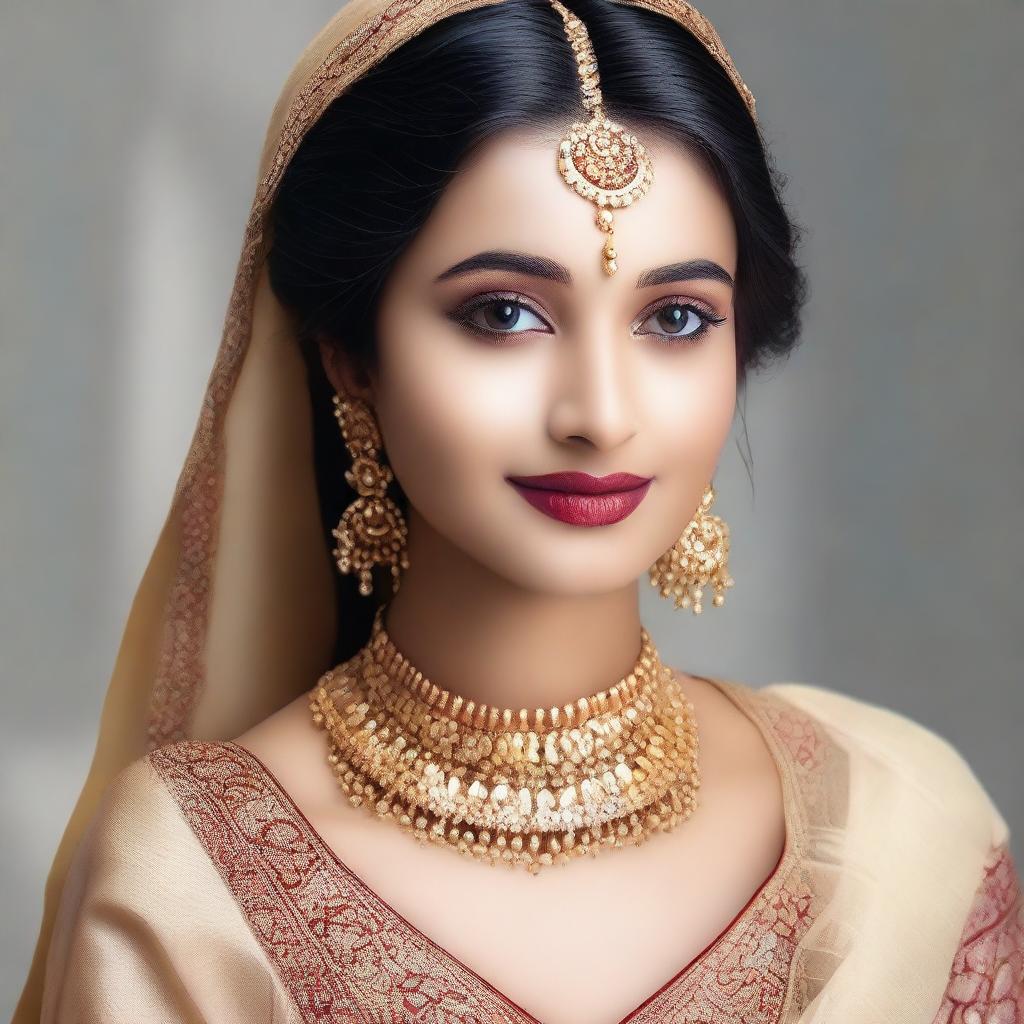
(514, 308)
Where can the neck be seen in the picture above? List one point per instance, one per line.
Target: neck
(485, 639)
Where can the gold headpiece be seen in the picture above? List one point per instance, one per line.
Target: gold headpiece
(601, 160)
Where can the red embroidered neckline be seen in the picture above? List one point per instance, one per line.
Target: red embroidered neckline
(774, 876)
(314, 916)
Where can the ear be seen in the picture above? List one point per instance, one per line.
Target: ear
(345, 376)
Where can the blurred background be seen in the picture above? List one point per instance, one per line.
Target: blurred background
(877, 547)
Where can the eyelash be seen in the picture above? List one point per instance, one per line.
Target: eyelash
(707, 315)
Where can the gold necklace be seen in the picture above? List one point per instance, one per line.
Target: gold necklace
(504, 786)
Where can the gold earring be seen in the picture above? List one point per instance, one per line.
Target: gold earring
(699, 557)
(372, 529)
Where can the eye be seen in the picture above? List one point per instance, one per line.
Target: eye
(685, 320)
(495, 314)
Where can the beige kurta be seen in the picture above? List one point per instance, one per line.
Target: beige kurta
(201, 893)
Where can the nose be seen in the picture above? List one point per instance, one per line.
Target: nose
(593, 399)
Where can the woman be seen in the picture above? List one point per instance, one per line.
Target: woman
(507, 266)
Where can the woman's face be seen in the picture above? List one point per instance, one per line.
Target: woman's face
(505, 351)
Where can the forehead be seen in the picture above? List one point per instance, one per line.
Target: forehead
(511, 196)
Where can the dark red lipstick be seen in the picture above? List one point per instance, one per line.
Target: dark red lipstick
(581, 499)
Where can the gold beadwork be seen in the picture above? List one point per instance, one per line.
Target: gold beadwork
(699, 557)
(530, 788)
(600, 160)
(372, 530)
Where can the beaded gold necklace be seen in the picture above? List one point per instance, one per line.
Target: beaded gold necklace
(512, 787)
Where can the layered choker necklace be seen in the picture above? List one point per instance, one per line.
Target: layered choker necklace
(530, 788)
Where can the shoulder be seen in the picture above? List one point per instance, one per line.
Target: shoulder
(894, 745)
(878, 729)
(139, 826)
(137, 848)
(134, 806)
(155, 845)
(137, 795)
(141, 896)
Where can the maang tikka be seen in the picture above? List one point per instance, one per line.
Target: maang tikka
(372, 529)
(599, 159)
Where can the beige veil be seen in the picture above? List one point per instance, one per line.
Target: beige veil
(236, 613)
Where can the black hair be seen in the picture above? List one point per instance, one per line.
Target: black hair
(366, 176)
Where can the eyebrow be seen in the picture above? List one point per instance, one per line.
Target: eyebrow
(551, 270)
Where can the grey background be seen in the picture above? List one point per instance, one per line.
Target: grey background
(878, 552)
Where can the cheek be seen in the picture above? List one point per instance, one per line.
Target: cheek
(451, 417)
(693, 398)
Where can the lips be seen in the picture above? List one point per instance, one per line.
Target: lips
(582, 483)
(581, 499)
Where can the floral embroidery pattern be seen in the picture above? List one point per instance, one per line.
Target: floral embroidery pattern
(986, 983)
(344, 955)
(799, 734)
(339, 958)
(750, 973)
(744, 978)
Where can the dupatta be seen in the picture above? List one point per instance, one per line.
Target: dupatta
(236, 614)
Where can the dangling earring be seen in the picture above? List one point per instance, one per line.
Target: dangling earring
(699, 557)
(372, 530)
